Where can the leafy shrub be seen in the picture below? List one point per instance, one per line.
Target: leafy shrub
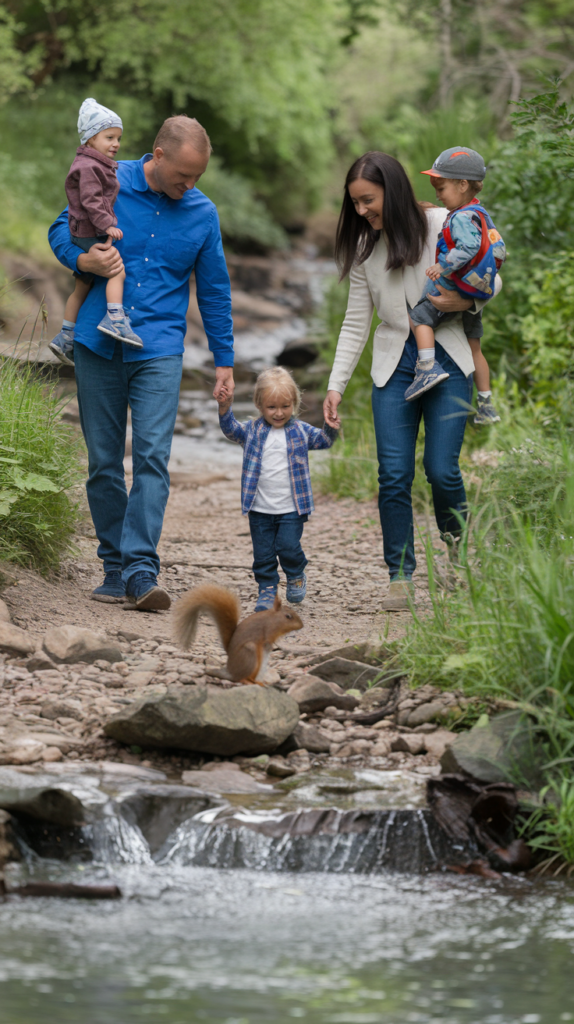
(39, 466)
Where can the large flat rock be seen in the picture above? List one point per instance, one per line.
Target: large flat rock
(244, 720)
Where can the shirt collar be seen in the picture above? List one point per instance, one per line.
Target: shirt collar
(140, 181)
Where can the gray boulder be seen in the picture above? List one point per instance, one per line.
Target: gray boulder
(243, 720)
(15, 641)
(68, 644)
(349, 674)
(4, 612)
(494, 750)
(309, 737)
(313, 694)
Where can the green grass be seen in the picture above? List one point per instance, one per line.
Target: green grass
(40, 466)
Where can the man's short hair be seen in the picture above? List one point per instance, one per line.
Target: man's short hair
(181, 129)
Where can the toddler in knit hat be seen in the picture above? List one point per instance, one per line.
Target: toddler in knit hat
(92, 188)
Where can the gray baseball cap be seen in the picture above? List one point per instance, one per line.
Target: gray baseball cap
(458, 162)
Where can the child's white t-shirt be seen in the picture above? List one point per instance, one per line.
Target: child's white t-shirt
(273, 493)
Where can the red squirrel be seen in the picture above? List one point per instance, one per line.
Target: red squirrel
(248, 644)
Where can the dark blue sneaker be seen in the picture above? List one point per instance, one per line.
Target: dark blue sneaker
(296, 589)
(63, 347)
(144, 594)
(266, 599)
(112, 590)
(427, 376)
(119, 327)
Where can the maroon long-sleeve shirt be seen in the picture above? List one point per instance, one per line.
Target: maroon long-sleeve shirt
(92, 189)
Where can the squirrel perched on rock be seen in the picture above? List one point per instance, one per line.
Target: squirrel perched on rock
(249, 643)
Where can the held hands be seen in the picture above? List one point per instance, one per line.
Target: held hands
(115, 233)
(434, 272)
(330, 407)
(224, 388)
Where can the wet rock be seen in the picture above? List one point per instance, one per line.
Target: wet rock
(309, 737)
(69, 644)
(347, 674)
(243, 720)
(4, 612)
(494, 748)
(313, 694)
(158, 809)
(436, 742)
(409, 743)
(9, 850)
(223, 781)
(279, 768)
(218, 766)
(15, 641)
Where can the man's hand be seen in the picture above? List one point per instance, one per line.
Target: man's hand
(224, 385)
(449, 301)
(330, 406)
(115, 233)
(434, 272)
(102, 259)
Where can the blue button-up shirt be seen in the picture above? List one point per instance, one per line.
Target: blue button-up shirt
(300, 438)
(164, 240)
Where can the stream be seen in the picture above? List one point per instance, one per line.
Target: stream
(241, 947)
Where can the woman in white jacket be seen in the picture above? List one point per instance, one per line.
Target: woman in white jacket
(385, 242)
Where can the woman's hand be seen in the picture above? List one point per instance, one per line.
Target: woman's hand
(330, 405)
(449, 301)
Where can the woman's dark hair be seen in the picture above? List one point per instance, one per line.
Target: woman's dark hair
(404, 221)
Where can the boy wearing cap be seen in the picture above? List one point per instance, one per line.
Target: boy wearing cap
(92, 188)
(468, 255)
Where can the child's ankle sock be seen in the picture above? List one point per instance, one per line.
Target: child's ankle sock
(68, 326)
(115, 309)
(426, 355)
(484, 394)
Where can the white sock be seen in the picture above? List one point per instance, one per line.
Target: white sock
(115, 309)
(484, 394)
(68, 325)
(425, 354)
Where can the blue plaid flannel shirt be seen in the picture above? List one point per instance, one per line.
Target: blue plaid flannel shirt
(300, 438)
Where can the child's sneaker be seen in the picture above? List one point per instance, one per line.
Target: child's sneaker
(63, 347)
(486, 413)
(266, 599)
(296, 589)
(427, 376)
(119, 327)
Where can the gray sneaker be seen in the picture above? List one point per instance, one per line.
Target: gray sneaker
(63, 347)
(120, 328)
(485, 413)
(427, 376)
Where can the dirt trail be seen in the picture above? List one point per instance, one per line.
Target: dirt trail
(205, 537)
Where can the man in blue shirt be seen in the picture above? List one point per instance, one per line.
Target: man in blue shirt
(170, 229)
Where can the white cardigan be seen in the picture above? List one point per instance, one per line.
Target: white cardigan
(373, 286)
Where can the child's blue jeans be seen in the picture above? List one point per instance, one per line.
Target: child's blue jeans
(277, 537)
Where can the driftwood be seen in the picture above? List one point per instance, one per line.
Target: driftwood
(388, 708)
(66, 890)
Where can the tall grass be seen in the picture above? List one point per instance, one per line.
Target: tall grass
(40, 465)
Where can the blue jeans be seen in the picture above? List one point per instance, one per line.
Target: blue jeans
(444, 412)
(277, 537)
(128, 528)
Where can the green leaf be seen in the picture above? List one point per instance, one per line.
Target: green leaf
(7, 498)
(33, 482)
(3, 458)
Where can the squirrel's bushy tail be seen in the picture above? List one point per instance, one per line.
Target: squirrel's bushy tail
(220, 604)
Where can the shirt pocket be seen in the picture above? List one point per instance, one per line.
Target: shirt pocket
(179, 252)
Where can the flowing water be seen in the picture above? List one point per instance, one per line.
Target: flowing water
(190, 944)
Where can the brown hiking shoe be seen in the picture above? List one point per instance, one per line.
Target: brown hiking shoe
(400, 596)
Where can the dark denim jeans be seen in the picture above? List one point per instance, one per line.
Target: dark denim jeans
(128, 528)
(444, 411)
(277, 537)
